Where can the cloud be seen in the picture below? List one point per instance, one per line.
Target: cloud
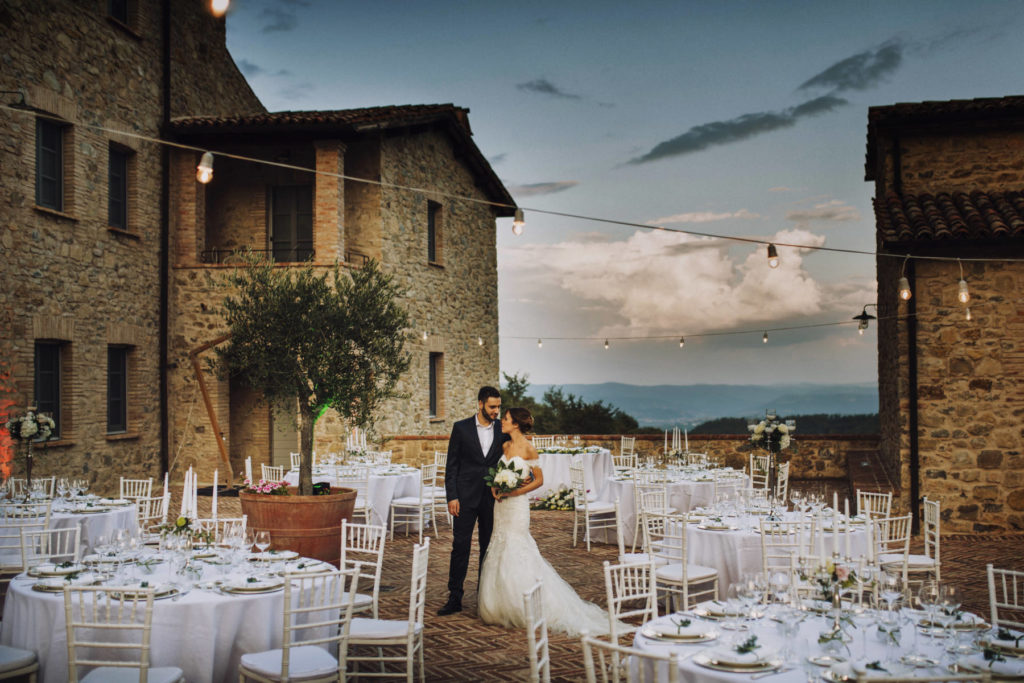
(740, 128)
(297, 91)
(545, 87)
(703, 217)
(278, 20)
(249, 69)
(781, 188)
(657, 282)
(835, 210)
(859, 72)
(535, 189)
(497, 158)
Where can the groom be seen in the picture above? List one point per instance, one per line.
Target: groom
(474, 446)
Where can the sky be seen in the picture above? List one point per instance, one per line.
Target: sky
(726, 117)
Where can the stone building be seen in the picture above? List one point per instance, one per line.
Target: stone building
(112, 255)
(441, 250)
(948, 183)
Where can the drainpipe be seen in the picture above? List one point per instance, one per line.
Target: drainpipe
(165, 227)
(912, 415)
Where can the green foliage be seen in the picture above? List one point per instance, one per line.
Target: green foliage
(561, 413)
(805, 424)
(331, 341)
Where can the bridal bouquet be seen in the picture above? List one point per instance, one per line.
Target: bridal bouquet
(507, 476)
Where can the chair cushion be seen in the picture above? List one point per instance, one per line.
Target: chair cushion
(920, 562)
(306, 661)
(362, 601)
(600, 507)
(890, 558)
(411, 501)
(379, 629)
(13, 658)
(116, 674)
(640, 558)
(694, 572)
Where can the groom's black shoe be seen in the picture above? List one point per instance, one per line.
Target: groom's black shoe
(451, 607)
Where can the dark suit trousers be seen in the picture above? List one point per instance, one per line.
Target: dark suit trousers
(462, 541)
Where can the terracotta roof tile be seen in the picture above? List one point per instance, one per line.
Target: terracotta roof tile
(957, 216)
(386, 117)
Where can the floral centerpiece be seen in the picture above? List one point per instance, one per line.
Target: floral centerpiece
(771, 433)
(27, 429)
(183, 527)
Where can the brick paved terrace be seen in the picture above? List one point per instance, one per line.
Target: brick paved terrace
(460, 647)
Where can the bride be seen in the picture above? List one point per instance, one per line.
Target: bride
(513, 563)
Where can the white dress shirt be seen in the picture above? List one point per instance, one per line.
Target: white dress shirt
(485, 434)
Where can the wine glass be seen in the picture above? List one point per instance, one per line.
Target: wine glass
(262, 541)
(948, 607)
(890, 588)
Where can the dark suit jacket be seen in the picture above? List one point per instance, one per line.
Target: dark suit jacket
(467, 463)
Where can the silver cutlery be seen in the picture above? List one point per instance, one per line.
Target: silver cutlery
(771, 672)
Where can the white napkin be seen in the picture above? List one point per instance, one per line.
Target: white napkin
(730, 656)
(86, 579)
(696, 629)
(1010, 666)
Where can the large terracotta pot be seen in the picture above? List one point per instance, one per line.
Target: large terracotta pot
(309, 525)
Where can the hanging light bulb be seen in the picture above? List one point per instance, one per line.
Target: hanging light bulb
(773, 256)
(963, 295)
(682, 342)
(764, 339)
(219, 7)
(605, 344)
(862, 319)
(479, 341)
(540, 344)
(204, 171)
(518, 222)
(968, 314)
(904, 287)
(424, 335)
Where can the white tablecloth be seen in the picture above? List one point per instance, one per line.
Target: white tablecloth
(771, 641)
(683, 496)
(94, 526)
(597, 467)
(204, 633)
(382, 489)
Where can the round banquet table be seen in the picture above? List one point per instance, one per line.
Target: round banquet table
(385, 484)
(771, 640)
(684, 494)
(597, 467)
(204, 633)
(94, 526)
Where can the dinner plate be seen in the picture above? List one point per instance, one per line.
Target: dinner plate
(710, 662)
(273, 556)
(717, 611)
(48, 569)
(667, 634)
(90, 511)
(118, 502)
(306, 567)
(160, 591)
(256, 587)
(56, 584)
(716, 527)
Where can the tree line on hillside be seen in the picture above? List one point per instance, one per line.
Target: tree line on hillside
(560, 413)
(820, 423)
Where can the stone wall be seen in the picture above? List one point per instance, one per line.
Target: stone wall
(812, 457)
(961, 162)
(970, 396)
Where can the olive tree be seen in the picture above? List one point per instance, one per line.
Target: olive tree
(329, 341)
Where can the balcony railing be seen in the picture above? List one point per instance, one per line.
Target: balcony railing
(298, 255)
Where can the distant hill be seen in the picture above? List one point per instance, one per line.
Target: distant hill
(670, 405)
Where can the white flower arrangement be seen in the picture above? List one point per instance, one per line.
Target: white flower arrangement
(564, 450)
(31, 426)
(771, 433)
(562, 499)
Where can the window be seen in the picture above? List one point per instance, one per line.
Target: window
(433, 227)
(117, 196)
(117, 389)
(47, 381)
(291, 226)
(436, 384)
(49, 165)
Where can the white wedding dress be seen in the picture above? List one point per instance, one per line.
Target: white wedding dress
(512, 566)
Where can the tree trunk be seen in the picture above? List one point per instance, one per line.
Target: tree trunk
(307, 419)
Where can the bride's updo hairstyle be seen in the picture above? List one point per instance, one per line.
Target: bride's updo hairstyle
(522, 418)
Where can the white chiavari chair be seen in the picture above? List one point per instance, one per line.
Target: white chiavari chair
(781, 541)
(928, 563)
(132, 489)
(782, 482)
(248, 470)
(872, 504)
(665, 538)
(758, 473)
(596, 514)
(50, 546)
(271, 473)
(616, 663)
(891, 537)
(631, 594)
(118, 621)
(294, 461)
(440, 494)
(537, 635)
(221, 526)
(418, 509)
(540, 442)
(382, 635)
(624, 463)
(725, 487)
(317, 619)
(362, 549)
(15, 518)
(18, 663)
(152, 513)
(358, 477)
(382, 457)
(631, 557)
(627, 445)
(1006, 597)
(648, 495)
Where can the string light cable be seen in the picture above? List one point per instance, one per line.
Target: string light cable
(517, 209)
